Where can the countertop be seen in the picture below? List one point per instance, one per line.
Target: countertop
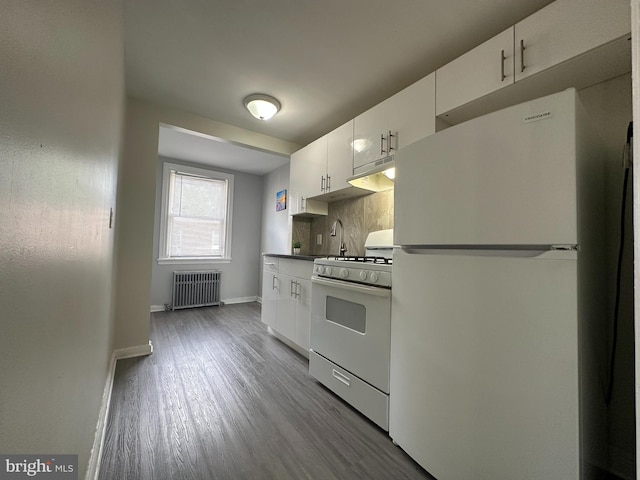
(309, 258)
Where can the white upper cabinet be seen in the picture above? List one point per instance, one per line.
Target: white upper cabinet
(566, 29)
(339, 157)
(568, 43)
(319, 172)
(397, 121)
(481, 71)
(412, 112)
(369, 138)
(308, 169)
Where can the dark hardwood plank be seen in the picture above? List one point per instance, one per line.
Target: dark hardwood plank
(220, 398)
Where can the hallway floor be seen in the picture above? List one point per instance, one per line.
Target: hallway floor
(221, 398)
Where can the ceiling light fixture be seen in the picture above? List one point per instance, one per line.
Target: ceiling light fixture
(261, 106)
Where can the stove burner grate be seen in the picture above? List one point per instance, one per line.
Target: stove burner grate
(366, 259)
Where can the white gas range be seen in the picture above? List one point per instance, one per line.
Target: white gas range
(351, 326)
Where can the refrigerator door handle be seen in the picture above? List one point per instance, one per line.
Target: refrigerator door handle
(555, 252)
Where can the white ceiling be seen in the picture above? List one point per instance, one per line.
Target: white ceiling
(326, 61)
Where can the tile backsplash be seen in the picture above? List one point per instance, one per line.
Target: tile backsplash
(359, 216)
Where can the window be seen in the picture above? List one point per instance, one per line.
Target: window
(196, 214)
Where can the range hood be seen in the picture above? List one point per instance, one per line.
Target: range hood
(375, 176)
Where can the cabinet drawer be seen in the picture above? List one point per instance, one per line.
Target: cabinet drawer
(270, 264)
(368, 400)
(296, 268)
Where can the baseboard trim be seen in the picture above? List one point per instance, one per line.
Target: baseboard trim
(136, 351)
(230, 301)
(93, 469)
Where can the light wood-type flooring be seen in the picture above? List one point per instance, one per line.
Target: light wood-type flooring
(221, 398)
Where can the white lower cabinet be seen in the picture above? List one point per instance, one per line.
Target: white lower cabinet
(286, 298)
(303, 313)
(270, 289)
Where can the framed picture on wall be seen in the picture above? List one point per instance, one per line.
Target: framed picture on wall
(281, 200)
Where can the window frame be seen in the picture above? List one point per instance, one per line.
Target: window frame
(163, 257)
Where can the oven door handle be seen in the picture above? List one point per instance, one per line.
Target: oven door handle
(354, 287)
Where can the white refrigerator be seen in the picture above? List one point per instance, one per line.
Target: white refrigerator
(497, 295)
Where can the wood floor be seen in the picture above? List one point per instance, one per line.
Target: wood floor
(220, 398)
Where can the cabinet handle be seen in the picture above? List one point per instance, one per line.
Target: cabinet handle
(389, 143)
(328, 183)
(322, 184)
(273, 283)
(339, 376)
(522, 49)
(269, 263)
(382, 139)
(298, 284)
(292, 288)
(502, 59)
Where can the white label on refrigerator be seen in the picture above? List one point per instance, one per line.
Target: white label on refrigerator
(537, 116)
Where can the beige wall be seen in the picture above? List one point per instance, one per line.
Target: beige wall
(61, 107)
(136, 199)
(275, 225)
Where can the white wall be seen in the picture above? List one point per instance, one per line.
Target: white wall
(136, 197)
(61, 107)
(275, 225)
(240, 277)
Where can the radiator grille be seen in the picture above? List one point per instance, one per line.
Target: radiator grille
(195, 289)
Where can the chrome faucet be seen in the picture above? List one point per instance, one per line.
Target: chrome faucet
(343, 248)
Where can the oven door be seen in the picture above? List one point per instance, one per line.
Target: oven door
(351, 326)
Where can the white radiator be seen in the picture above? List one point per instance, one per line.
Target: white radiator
(195, 289)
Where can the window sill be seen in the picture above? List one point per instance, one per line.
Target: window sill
(192, 261)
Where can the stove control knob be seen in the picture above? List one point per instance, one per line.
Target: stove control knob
(373, 277)
(363, 275)
(344, 273)
(319, 269)
(327, 270)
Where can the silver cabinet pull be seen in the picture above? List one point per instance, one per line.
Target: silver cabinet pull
(522, 49)
(273, 283)
(322, 184)
(328, 183)
(298, 288)
(389, 143)
(292, 291)
(502, 59)
(382, 139)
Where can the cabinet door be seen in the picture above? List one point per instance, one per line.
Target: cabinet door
(340, 156)
(270, 293)
(308, 169)
(369, 129)
(565, 29)
(412, 113)
(286, 318)
(303, 313)
(478, 72)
